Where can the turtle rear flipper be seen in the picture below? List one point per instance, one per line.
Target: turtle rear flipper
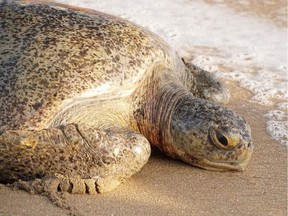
(73, 152)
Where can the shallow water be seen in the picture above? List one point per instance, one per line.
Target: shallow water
(245, 41)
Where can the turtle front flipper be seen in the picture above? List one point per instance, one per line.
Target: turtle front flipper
(72, 152)
(206, 86)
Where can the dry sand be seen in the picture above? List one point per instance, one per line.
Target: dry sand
(169, 187)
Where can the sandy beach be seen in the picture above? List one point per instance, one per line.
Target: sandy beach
(170, 187)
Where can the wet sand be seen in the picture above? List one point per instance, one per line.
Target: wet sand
(273, 10)
(169, 187)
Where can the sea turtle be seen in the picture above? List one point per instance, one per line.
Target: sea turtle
(84, 94)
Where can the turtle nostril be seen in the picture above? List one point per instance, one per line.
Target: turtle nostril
(249, 145)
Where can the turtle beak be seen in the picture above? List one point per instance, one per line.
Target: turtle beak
(237, 164)
(223, 166)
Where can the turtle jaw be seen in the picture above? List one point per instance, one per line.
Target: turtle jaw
(219, 165)
(222, 166)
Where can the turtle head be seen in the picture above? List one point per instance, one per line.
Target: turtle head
(209, 136)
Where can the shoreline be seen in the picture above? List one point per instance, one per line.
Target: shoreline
(170, 187)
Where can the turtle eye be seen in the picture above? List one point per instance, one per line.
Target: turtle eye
(223, 140)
